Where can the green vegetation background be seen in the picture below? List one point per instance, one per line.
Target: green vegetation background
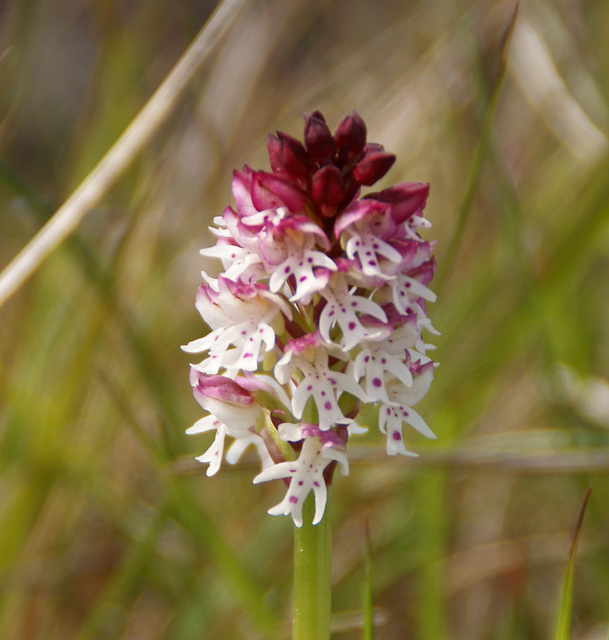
(108, 527)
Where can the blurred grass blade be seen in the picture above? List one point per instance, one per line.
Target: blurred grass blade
(119, 157)
(368, 612)
(468, 198)
(565, 612)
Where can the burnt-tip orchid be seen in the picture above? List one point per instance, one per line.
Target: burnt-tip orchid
(317, 313)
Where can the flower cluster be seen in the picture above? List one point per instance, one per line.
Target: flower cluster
(318, 312)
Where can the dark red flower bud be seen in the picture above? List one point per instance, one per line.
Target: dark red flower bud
(350, 138)
(328, 186)
(318, 139)
(405, 198)
(374, 165)
(288, 155)
(270, 190)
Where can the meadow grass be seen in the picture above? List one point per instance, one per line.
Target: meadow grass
(108, 527)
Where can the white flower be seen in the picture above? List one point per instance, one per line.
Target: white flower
(243, 439)
(373, 362)
(299, 263)
(238, 261)
(407, 290)
(319, 449)
(319, 382)
(366, 246)
(243, 317)
(342, 308)
(399, 409)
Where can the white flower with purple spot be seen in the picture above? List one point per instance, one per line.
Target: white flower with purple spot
(318, 382)
(344, 308)
(375, 364)
(306, 474)
(301, 264)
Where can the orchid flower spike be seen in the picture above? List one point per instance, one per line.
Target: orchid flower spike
(317, 313)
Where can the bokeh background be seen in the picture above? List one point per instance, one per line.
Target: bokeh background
(108, 527)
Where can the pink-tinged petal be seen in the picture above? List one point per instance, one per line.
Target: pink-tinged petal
(299, 224)
(328, 186)
(220, 388)
(270, 191)
(242, 189)
(359, 211)
(231, 219)
(424, 273)
(300, 344)
(414, 253)
(243, 301)
(406, 199)
(242, 234)
(382, 226)
(373, 166)
(225, 399)
(261, 385)
(272, 250)
(350, 138)
(318, 139)
(409, 250)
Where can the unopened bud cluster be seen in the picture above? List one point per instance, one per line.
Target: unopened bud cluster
(318, 312)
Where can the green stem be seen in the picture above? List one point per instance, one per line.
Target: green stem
(312, 589)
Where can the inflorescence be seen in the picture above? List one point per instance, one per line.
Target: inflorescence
(318, 315)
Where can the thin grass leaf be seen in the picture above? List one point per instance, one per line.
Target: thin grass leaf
(565, 611)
